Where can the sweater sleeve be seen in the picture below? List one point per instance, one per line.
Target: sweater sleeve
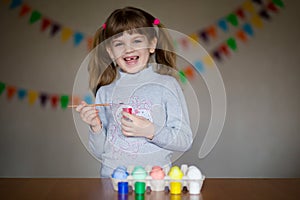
(175, 133)
(97, 139)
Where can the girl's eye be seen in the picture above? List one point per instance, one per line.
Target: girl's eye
(117, 44)
(137, 41)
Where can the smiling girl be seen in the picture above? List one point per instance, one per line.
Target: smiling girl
(133, 66)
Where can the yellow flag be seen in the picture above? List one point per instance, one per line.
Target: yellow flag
(247, 5)
(32, 96)
(66, 34)
(208, 60)
(256, 21)
(194, 38)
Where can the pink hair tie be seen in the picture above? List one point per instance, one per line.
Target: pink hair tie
(104, 26)
(156, 21)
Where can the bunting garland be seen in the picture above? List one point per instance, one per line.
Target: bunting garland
(244, 20)
(36, 16)
(206, 34)
(242, 34)
(34, 97)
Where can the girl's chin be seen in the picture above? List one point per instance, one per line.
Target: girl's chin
(132, 68)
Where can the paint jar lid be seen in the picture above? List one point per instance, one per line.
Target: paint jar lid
(139, 187)
(123, 187)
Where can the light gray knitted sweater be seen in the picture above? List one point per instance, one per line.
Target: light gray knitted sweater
(158, 98)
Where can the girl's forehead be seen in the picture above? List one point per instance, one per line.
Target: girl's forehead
(127, 35)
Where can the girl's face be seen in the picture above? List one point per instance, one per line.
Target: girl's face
(131, 51)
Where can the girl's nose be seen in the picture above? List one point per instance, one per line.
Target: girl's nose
(128, 48)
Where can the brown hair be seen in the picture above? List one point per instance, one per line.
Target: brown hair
(101, 68)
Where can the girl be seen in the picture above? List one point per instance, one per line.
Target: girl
(159, 123)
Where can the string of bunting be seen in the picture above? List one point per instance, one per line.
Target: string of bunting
(206, 34)
(34, 97)
(46, 23)
(243, 32)
(249, 10)
(241, 35)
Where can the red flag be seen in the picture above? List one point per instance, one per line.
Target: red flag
(240, 13)
(45, 24)
(184, 43)
(224, 49)
(11, 90)
(54, 101)
(24, 10)
(271, 6)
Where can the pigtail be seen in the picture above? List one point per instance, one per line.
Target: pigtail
(101, 68)
(165, 52)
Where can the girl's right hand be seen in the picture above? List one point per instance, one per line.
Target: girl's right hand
(89, 114)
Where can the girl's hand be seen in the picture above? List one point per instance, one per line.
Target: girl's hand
(89, 114)
(133, 125)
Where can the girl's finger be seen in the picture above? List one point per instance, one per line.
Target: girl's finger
(81, 106)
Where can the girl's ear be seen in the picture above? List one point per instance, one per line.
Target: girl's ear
(109, 51)
(153, 43)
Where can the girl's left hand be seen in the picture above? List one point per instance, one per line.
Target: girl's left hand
(133, 125)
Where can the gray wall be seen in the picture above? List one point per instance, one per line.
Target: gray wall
(261, 132)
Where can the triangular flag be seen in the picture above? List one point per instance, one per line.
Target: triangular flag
(222, 23)
(75, 100)
(2, 87)
(54, 101)
(240, 13)
(203, 36)
(64, 100)
(35, 16)
(248, 29)
(208, 60)
(199, 66)
(193, 38)
(271, 6)
(189, 72)
(258, 2)
(232, 18)
(256, 21)
(22, 93)
(78, 37)
(278, 3)
(224, 49)
(184, 43)
(212, 31)
(45, 24)
(216, 55)
(32, 96)
(232, 43)
(241, 35)
(15, 3)
(88, 99)
(43, 99)
(90, 42)
(264, 14)
(182, 76)
(11, 90)
(247, 5)
(24, 10)
(55, 28)
(66, 34)
(175, 43)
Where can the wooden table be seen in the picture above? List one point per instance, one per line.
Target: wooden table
(90, 189)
